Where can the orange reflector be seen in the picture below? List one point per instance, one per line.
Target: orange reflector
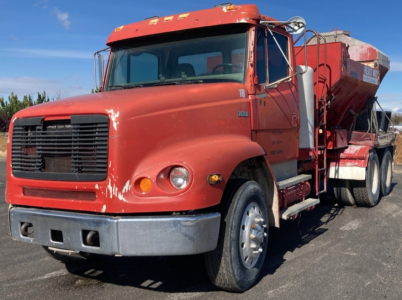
(145, 185)
(231, 7)
(119, 28)
(214, 178)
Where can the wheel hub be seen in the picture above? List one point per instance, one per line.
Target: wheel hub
(252, 234)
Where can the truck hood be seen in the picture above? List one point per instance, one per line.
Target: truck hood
(137, 102)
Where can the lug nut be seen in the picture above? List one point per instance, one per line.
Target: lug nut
(253, 246)
(260, 250)
(265, 234)
(252, 236)
(259, 220)
(264, 225)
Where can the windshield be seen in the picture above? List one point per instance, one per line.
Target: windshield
(195, 56)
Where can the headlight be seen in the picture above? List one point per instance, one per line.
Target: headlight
(179, 177)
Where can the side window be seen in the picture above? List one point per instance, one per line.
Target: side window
(147, 63)
(261, 61)
(277, 65)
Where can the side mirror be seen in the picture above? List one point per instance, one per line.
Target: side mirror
(295, 25)
(99, 71)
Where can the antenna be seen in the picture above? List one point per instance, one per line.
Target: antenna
(296, 25)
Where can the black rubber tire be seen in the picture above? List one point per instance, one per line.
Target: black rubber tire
(343, 192)
(386, 172)
(367, 192)
(70, 259)
(224, 265)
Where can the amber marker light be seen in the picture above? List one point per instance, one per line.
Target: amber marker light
(214, 178)
(231, 7)
(144, 184)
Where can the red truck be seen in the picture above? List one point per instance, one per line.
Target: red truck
(208, 128)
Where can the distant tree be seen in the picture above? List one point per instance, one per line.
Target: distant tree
(42, 98)
(10, 106)
(396, 118)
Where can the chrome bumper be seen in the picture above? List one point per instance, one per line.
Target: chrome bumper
(126, 236)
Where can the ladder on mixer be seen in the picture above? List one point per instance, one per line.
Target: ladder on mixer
(320, 106)
(320, 141)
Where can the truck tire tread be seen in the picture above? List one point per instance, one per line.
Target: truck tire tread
(363, 189)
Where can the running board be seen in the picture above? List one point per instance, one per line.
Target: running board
(293, 210)
(292, 181)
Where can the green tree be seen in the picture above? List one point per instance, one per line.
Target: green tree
(10, 106)
(396, 118)
(42, 98)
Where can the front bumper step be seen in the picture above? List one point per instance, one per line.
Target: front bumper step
(117, 235)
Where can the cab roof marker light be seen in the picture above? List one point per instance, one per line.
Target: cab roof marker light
(183, 16)
(118, 29)
(153, 22)
(230, 8)
(167, 19)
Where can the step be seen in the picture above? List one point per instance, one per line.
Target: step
(292, 181)
(295, 209)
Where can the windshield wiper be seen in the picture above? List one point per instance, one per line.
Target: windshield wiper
(179, 82)
(126, 86)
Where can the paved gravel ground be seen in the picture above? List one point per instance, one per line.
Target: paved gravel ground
(329, 253)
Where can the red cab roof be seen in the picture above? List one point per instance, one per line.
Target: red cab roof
(229, 14)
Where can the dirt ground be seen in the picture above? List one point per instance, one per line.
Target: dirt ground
(398, 153)
(3, 145)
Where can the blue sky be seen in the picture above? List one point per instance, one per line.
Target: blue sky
(48, 45)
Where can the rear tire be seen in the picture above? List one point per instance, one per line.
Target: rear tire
(367, 192)
(386, 172)
(343, 192)
(236, 263)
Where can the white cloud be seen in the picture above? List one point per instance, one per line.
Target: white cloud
(63, 18)
(31, 86)
(13, 52)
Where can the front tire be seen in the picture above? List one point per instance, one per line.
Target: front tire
(236, 263)
(367, 192)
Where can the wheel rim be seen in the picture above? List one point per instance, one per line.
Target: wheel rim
(252, 234)
(374, 176)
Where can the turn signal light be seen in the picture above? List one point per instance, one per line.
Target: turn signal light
(214, 178)
(145, 184)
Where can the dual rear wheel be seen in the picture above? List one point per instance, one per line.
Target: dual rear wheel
(367, 192)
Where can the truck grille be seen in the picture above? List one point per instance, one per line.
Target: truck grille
(69, 150)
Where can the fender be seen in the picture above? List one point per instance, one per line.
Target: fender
(349, 163)
(202, 157)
